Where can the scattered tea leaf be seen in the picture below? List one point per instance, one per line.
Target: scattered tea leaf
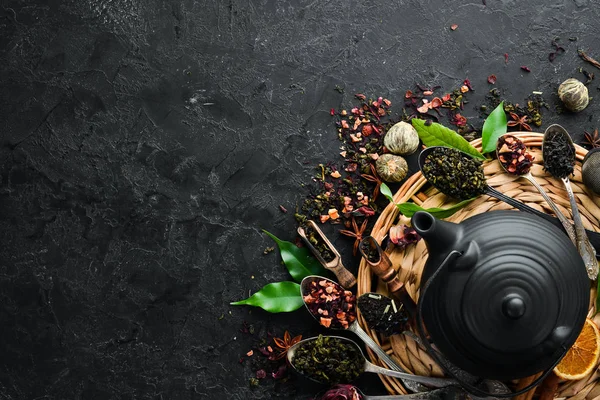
(493, 127)
(385, 190)
(438, 135)
(275, 298)
(298, 260)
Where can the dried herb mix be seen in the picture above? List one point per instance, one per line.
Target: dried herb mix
(454, 173)
(384, 315)
(330, 303)
(329, 359)
(341, 392)
(513, 155)
(559, 155)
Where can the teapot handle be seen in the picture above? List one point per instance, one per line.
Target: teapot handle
(469, 382)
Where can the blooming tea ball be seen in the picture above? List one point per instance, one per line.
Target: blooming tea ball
(391, 168)
(574, 94)
(401, 139)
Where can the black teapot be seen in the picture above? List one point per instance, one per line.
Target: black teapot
(504, 294)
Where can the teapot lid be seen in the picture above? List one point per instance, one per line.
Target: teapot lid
(516, 309)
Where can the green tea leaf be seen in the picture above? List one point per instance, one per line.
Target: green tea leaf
(438, 135)
(408, 209)
(275, 298)
(298, 260)
(493, 127)
(385, 190)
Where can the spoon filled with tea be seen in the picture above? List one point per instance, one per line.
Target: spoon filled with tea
(335, 359)
(460, 175)
(558, 151)
(335, 307)
(514, 158)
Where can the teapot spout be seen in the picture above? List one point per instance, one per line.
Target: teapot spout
(440, 236)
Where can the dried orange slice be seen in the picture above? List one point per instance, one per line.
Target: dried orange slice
(582, 357)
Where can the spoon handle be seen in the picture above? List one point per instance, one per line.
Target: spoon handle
(583, 244)
(444, 393)
(370, 343)
(426, 380)
(594, 237)
(563, 220)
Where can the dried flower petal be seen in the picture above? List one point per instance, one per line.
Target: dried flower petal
(360, 96)
(492, 79)
(423, 109)
(332, 112)
(408, 94)
(464, 89)
(345, 124)
(453, 26)
(387, 102)
(435, 102)
(525, 68)
(428, 92)
(505, 58)
(335, 174)
(261, 374)
(403, 235)
(446, 97)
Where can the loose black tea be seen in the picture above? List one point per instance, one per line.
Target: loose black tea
(329, 359)
(454, 173)
(330, 303)
(513, 155)
(559, 155)
(383, 314)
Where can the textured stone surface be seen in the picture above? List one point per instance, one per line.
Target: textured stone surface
(145, 144)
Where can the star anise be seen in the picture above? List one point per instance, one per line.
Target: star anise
(519, 122)
(356, 233)
(374, 177)
(592, 139)
(283, 345)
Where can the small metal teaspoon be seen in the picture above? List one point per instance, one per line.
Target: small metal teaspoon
(563, 220)
(584, 246)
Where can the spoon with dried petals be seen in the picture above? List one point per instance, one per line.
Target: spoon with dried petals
(514, 158)
(339, 313)
(558, 151)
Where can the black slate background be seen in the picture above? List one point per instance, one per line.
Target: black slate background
(145, 144)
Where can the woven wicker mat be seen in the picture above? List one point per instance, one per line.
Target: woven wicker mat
(411, 260)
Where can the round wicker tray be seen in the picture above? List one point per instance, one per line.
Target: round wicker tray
(410, 261)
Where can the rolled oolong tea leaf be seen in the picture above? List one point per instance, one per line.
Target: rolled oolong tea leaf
(329, 359)
(330, 303)
(454, 173)
(559, 155)
(383, 314)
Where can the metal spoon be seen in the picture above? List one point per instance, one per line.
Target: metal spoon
(594, 237)
(448, 393)
(354, 327)
(583, 244)
(370, 367)
(527, 175)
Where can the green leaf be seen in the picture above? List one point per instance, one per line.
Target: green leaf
(408, 209)
(438, 135)
(298, 260)
(275, 298)
(385, 190)
(493, 127)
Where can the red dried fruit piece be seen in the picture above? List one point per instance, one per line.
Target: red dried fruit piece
(492, 79)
